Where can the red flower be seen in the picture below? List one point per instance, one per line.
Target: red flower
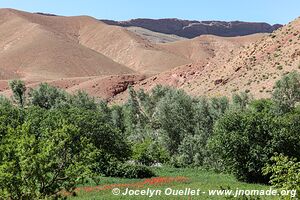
(141, 184)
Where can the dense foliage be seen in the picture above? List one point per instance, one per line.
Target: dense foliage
(55, 140)
(285, 173)
(246, 140)
(50, 140)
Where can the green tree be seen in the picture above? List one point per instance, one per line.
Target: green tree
(284, 173)
(46, 96)
(287, 92)
(191, 151)
(246, 140)
(18, 88)
(203, 118)
(241, 101)
(243, 141)
(82, 100)
(117, 117)
(40, 166)
(10, 116)
(175, 117)
(93, 124)
(285, 134)
(133, 116)
(218, 106)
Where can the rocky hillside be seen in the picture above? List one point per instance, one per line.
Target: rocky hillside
(252, 68)
(257, 66)
(191, 29)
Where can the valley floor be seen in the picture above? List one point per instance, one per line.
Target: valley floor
(175, 179)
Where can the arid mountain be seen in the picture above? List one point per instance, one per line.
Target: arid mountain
(154, 37)
(69, 51)
(39, 47)
(191, 29)
(34, 45)
(206, 47)
(128, 48)
(83, 53)
(203, 50)
(254, 67)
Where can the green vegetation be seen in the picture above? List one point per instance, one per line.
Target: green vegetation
(18, 88)
(287, 92)
(285, 172)
(52, 142)
(195, 178)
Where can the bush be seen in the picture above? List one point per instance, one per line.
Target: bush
(241, 139)
(46, 96)
(149, 152)
(39, 166)
(285, 173)
(118, 169)
(246, 140)
(287, 92)
(191, 151)
(136, 171)
(18, 88)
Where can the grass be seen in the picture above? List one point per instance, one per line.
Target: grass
(186, 178)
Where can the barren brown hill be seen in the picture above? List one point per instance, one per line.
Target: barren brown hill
(255, 68)
(207, 52)
(83, 53)
(33, 47)
(81, 42)
(129, 49)
(101, 87)
(75, 53)
(251, 68)
(209, 46)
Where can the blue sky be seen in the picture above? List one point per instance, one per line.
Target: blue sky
(271, 11)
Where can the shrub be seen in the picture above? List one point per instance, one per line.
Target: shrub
(287, 92)
(285, 173)
(279, 67)
(40, 166)
(125, 170)
(192, 151)
(136, 171)
(46, 96)
(149, 152)
(18, 88)
(241, 140)
(246, 140)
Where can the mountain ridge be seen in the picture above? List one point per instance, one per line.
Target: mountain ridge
(193, 28)
(82, 52)
(253, 68)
